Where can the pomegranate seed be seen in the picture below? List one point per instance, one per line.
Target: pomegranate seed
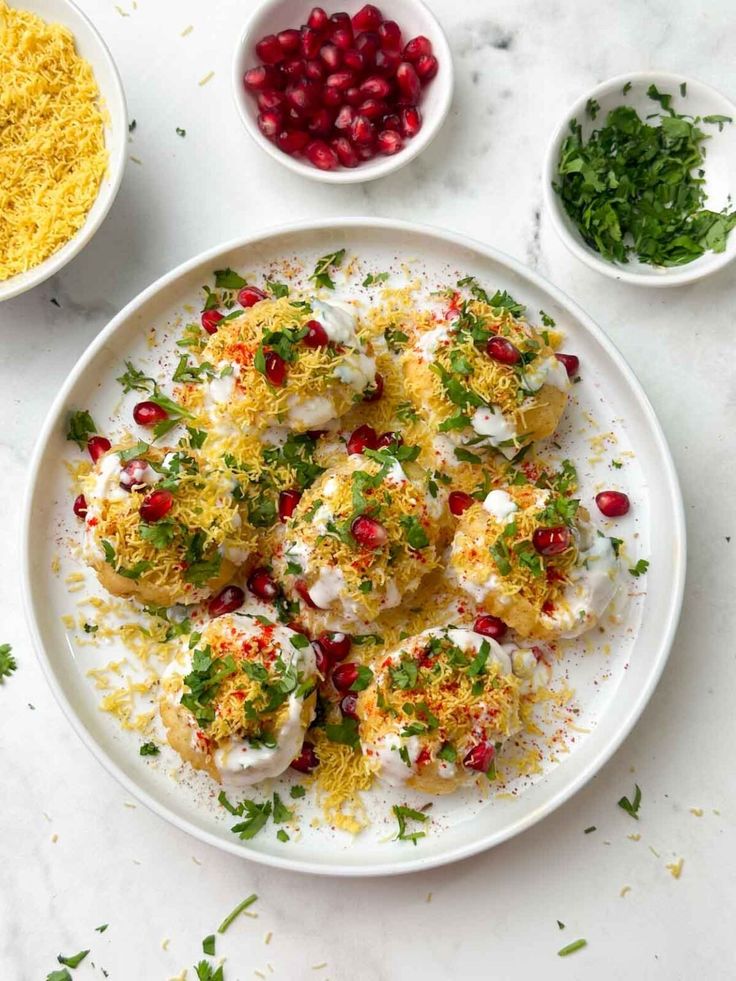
(289, 40)
(330, 54)
(270, 99)
(269, 122)
(369, 44)
(314, 69)
(303, 96)
(368, 532)
(368, 18)
(389, 439)
(307, 760)
(389, 142)
(302, 591)
(427, 67)
(387, 62)
(322, 660)
(269, 50)
(228, 600)
(345, 675)
(342, 37)
(321, 155)
(332, 98)
(311, 42)
(349, 705)
(317, 335)
(366, 153)
(97, 446)
(417, 48)
(262, 584)
(292, 140)
(362, 131)
(250, 295)
(490, 626)
(408, 82)
(156, 505)
(551, 541)
(339, 80)
(345, 152)
(480, 757)
(275, 369)
(80, 506)
(148, 413)
(459, 502)
(390, 35)
(132, 474)
(293, 69)
(288, 500)
(317, 19)
(335, 645)
(362, 438)
(341, 19)
(210, 319)
(374, 393)
(503, 351)
(613, 504)
(411, 121)
(321, 122)
(262, 77)
(571, 363)
(353, 96)
(375, 87)
(354, 60)
(392, 122)
(344, 118)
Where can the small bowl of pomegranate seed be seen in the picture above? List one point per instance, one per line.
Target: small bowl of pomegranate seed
(346, 94)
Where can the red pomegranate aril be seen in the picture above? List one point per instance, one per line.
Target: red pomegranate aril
(297, 119)
(97, 446)
(302, 591)
(387, 62)
(389, 439)
(490, 626)
(353, 96)
(362, 131)
(551, 541)
(149, 413)
(408, 82)
(316, 334)
(289, 40)
(156, 505)
(392, 122)
(275, 369)
(614, 504)
(340, 80)
(321, 155)
(210, 319)
(318, 19)
(262, 584)
(368, 18)
(375, 87)
(314, 70)
(80, 506)
(367, 153)
(390, 35)
(269, 50)
(342, 37)
(459, 502)
(426, 67)
(571, 363)
(292, 140)
(417, 48)
(411, 121)
(332, 98)
(311, 42)
(345, 675)
(269, 123)
(349, 706)
(321, 122)
(341, 19)
(389, 142)
(330, 54)
(303, 96)
(503, 351)
(344, 118)
(270, 99)
(369, 44)
(322, 661)
(228, 600)
(288, 500)
(250, 295)
(293, 69)
(354, 60)
(336, 645)
(307, 760)
(261, 77)
(368, 532)
(362, 438)
(133, 474)
(374, 393)
(480, 757)
(345, 152)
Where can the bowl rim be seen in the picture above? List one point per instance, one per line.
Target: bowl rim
(115, 168)
(367, 170)
(658, 656)
(667, 275)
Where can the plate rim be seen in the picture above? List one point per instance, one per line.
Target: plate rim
(599, 759)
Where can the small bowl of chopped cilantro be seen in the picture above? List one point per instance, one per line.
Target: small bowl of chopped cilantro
(640, 179)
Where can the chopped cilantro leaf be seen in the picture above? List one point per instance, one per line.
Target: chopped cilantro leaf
(81, 426)
(297, 791)
(236, 912)
(640, 568)
(256, 816)
(373, 278)
(345, 733)
(208, 945)
(228, 279)
(402, 814)
(282, 835)
(281, 812)
(321, 275)
(62, 975)
(277, 290)
(632, 807)
(73, 960)
(8, 664)
(571, 948)
(149, 749)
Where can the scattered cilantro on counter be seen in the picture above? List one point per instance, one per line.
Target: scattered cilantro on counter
(632, 807)
(571, 948)
(8, 664)
(73, 960)
(236, 912)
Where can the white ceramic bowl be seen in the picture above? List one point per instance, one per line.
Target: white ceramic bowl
(720, 169)
(413, 17)
(93, 49)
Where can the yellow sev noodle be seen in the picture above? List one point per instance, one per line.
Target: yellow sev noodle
(52, 144)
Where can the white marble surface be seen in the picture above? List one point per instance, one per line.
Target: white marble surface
(518, 65)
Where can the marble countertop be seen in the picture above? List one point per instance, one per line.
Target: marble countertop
(76, 852)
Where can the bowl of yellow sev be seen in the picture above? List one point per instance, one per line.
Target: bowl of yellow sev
(63, 129)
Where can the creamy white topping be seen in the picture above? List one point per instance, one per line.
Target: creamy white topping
(327, 587)
(593, 584)
(444, 451)
(429, 341)
(495, 427)
(221, 388)
(106, 484)
(546, 371)
(310, 413)
(356, 370)
(338, 321)
(500, 505)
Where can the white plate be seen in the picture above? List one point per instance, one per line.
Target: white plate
(612, 687)
(92, 48)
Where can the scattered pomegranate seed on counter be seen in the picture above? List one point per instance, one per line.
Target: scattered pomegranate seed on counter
(571, 363)
(228, 600)
(288, 500)
(80, 506)
(551, 541)
(262, 584)
(614, 504)
(156, 505)
(310, 77)
(490, 626)
(210, 319)
(307, 760)
(97, 446)
(459, 502)
(149, 413)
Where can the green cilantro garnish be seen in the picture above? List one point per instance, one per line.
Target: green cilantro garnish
(256, 817)
(277, 290)
(132, 125)
(236, 912)
(547, 320)
(321, 275)
(208, 945)
(560, 925)
(416, 536)
(228, 279)
(280, 812)
(616, 464)
(62, 975)
(297, 791)
(159, 533)
(639, 569)
(74, 960)
(402, 814)
(571, 948)
(81, 426)
(102, 927)
(283, 835)
(206, 972)
(149, 749)
(396, 339)
(404, 675)
(8, 664)
(180, 131)
(448, 753)
(344, 733)
(133, 380)
(373, 278)
(719, 120)
(632, 807)
(203, 680)
(363, 679)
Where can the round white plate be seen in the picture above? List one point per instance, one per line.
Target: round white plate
(613, 677)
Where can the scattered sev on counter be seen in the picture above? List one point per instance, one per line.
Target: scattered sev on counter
(52, 143)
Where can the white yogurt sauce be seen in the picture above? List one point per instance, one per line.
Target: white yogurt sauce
(429, 341)
(310, 413)
(500, 505)
(593, 584)
(547, 371)
(495, 427)
(357, 370)
(338, 321)
(219, 390)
